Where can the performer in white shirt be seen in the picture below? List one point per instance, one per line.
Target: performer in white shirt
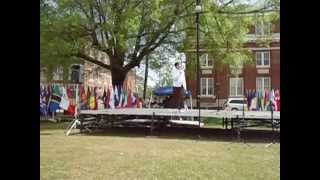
(179, 86)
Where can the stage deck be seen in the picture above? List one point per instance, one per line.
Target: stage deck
(183, 113)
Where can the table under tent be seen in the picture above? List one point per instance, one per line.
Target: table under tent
(155, 115)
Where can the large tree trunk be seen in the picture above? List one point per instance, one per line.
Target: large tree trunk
(118, 77)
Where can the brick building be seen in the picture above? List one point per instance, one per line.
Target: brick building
(216, 86)
(88, 74)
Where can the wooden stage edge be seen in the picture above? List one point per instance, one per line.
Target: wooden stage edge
(184, 113)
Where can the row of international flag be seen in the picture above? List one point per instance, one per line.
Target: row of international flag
(66, 98)
(261, 100)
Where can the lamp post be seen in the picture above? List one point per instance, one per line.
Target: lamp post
(198, 10)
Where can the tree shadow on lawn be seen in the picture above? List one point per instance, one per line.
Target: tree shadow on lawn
(200, 134)
(190, 133)
(47, 125)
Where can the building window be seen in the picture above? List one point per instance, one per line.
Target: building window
(263, 83)
(263, 59)
(236, 86)
(205, 61)
(58, 74)
(263, 28)
(206, 86)
(43, 75)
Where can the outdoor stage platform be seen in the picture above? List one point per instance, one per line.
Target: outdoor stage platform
(184, 113)
(89, 120)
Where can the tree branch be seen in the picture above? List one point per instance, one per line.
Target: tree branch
(226, 4)
(135, 61)
(263, 9)
(92, 60)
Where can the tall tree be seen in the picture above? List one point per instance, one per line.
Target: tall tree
(127, 30)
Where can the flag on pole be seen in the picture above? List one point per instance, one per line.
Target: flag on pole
(92, 100)
(84, 99)
(108, 98)
(120, 98)
(277, 99)
(271, 99)
(88, 96)
(262, 99)
(43, 104)
(266, 99)
(116, 96)
(129, 99)
(104, 96)
(125, 96)
(64, 103)
(55, 99)
(112, 96)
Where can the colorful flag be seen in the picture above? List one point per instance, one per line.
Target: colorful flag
(84, 99)
(120, 98)
(43, 105)
(272, 98)
(64, 103)
(55, 99)
(104, 96)
(108, 98)
(125, 102)
(92, 100)
(111, 101)
(258, 100)
(88, 96)
(129, 99)
(277, 99)
(262, 99)
(266, 99)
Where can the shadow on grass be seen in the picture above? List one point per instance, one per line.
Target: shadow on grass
(45, 134)
(200, 134)
(47, 125)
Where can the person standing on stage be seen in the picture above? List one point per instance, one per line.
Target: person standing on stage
(179, 85)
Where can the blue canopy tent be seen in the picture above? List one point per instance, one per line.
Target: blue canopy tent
(168, 91)
(162, 92)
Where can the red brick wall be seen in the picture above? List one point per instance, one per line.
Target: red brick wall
(275, 69)
(249, 73)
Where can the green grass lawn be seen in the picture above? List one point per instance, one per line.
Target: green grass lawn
(85, 157)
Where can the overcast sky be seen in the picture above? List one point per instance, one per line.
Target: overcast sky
(153, 76)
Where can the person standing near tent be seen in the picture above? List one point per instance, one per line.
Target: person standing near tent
(179, 86)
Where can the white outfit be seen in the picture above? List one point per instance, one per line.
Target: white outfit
(64, 103)
(179, 78)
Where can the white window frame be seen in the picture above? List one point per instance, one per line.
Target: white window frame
(234, 70)
(206, 86)
(207, 59)
(237, 94)
(263, 65)
(263, 82)
(43, 75)
(58, 74)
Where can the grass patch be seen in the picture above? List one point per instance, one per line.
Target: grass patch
(212, 122)
(84, 157)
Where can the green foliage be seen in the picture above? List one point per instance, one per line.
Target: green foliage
(223, 35)
(129, 30)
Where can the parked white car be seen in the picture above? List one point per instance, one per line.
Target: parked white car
(236, 104)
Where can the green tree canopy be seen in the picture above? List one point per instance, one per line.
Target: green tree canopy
(129, 30)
